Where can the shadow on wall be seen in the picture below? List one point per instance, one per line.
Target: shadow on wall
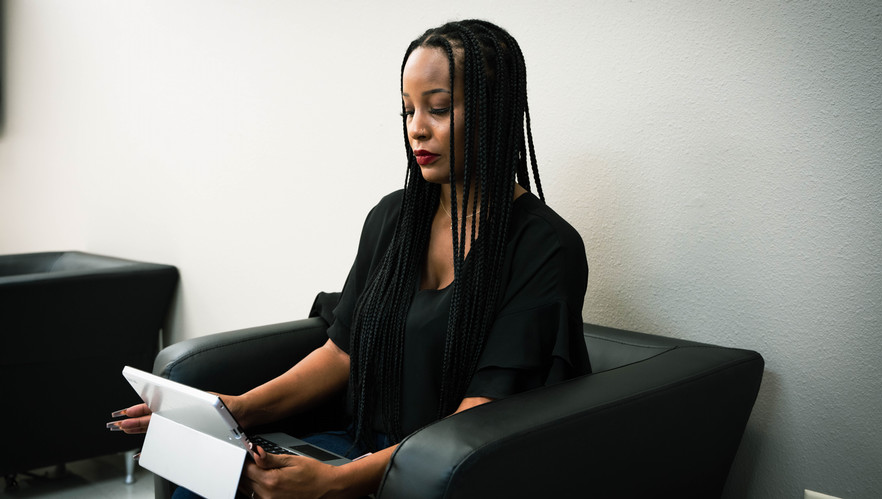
(174, 320)
(754, 442)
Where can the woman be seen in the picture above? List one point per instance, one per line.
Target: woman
(466, 287)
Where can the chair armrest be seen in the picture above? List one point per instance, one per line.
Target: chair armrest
(675, 419)
(236, 361)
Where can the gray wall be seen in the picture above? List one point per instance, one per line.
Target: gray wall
(720, 159)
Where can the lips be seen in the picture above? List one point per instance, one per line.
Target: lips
(424, 157)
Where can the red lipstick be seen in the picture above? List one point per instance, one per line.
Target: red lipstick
(424, 157)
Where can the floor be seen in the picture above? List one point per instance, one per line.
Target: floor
(103, 477)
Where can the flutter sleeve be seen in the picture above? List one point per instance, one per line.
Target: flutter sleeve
(376, 235)
(536, 339)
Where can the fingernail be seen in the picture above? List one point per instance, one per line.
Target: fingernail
(114, 426)
(137, 456)
(118, 413)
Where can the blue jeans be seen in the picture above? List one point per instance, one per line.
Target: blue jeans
(338, 442)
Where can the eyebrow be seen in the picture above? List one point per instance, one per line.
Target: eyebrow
(429, 92)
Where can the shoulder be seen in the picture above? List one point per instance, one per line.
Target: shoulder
(387, 209)
(535, 224)
(545, 260)
(391, 200)
(379, 228)
(384, 214)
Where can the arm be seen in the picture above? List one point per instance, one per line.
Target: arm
(273, 475)
(320, 374)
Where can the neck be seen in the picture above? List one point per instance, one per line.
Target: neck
(460, 192)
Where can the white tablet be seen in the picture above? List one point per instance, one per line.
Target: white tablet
(207, 414)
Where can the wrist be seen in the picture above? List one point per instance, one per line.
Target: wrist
(340, 482)
(349, 481)
(362, 477)
(253, 409)
(237, 407)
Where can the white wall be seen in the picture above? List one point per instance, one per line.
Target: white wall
(720, 159)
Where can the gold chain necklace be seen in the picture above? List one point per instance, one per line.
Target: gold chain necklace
(451, 216)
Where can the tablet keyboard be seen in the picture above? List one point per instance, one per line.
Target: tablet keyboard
(270, 447)
(298, 450)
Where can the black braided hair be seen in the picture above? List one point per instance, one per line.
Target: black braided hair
(495, 156)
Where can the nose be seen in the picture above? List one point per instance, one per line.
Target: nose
(417, 127)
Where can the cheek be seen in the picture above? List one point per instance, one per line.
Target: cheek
(459, 131)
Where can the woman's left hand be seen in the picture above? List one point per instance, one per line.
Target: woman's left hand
(274, 475)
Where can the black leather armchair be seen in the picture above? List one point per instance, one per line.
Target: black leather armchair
(659, 417)
(69, 322)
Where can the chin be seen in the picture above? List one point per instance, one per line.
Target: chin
(436, 175)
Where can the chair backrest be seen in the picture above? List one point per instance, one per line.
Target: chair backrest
(75, 260)
(610, 348)
(59, 261)
(27, 263)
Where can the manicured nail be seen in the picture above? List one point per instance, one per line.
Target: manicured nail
(118, 413)
(114, 426)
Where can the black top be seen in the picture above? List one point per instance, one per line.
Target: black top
(537, 337)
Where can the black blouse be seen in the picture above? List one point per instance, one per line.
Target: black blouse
(536, 339)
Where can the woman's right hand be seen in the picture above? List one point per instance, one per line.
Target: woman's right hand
(138, 418)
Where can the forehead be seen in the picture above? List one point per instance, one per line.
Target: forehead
(426, 68)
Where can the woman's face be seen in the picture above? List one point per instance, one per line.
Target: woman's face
(427, 107)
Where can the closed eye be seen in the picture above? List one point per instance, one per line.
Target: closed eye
(436, 111)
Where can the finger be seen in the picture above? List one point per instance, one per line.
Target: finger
(136, 411)
(264, 459)
(268, 461)
(130, 425)
(248, 485)
(251, 474)
(134, 425)
(254, 450)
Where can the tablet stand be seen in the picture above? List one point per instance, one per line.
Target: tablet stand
(204, 464)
